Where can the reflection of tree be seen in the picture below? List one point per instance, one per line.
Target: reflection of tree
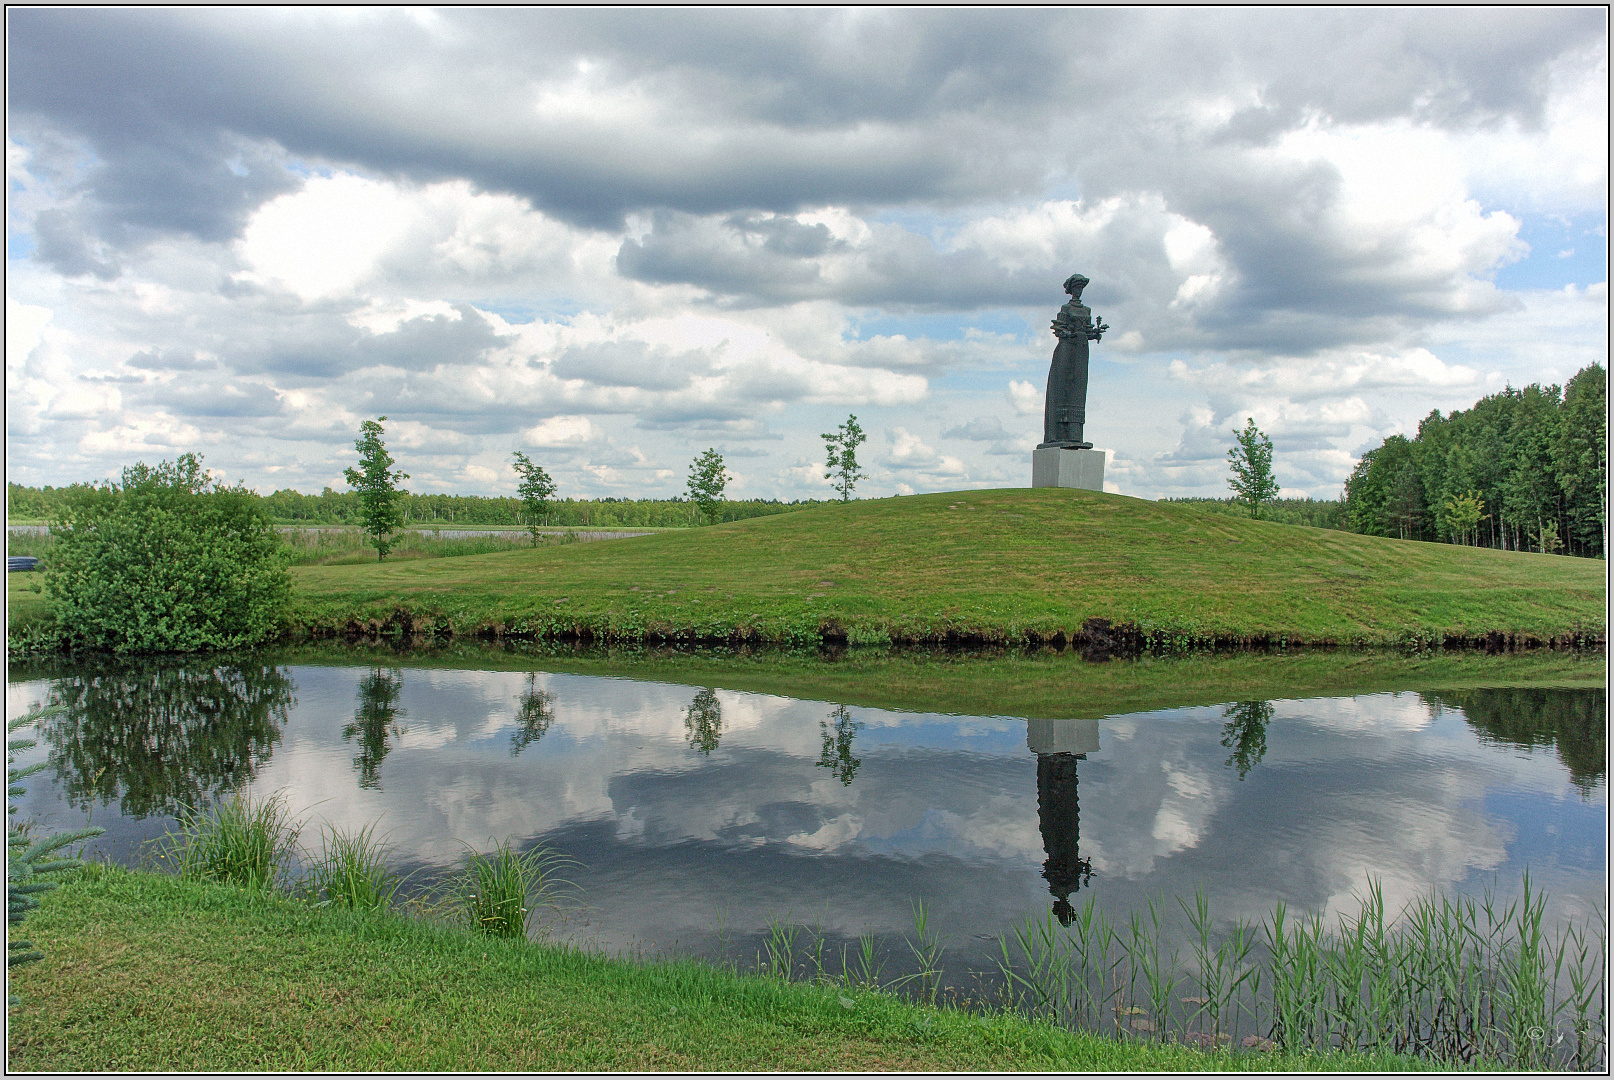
(837, 751)
(703, 722)
(1059, 816)
(161, 735)
(375, 722)
(1245, 733)
(1574, 721)
(533, 717)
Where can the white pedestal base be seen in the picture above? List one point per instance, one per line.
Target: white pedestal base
(1057, 467)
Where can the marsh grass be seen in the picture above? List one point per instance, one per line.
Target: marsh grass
(502, 892)
(1453, 981)
(342, 547)
(351, 870)
(244, 841)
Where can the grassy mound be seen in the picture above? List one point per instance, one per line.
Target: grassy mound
(996, 566)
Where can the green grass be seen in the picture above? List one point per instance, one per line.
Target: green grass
(146, 971)
(993, 565)
(243, 841)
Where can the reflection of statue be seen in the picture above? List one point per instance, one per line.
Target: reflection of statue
(1245, 733)
(374, 722)
(533, 717)
(1065, 408)
(703, 721)
(163, 735)
(837, 751)
(1059, 745)
(1059, 816)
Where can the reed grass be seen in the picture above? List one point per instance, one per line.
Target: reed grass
(1455, 981)
(343, 547)
(502, 892)
(244, 841)
(352, 870)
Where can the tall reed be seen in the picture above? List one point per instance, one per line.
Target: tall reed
(1455, 981)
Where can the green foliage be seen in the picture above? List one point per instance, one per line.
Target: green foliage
(536, 488)
(707, 479)
(377, 484)
(703, 721)
(168, 561)
(840, 450)
(501, 892)
(30, 862)
(1462, 513)
(244, 841)
(1535, 460)
(1251, 463)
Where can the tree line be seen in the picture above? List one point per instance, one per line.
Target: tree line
(1522, 470)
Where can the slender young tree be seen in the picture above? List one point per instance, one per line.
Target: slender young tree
(535, 488)
(1251, 462)
(376, 481)
(840, 448)
(707, 479)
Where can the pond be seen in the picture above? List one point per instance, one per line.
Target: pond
(702, 816)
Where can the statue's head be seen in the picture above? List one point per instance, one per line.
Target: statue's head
(1063, 911)
(1074, 285)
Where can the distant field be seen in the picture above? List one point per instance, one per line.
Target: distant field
(990, 564)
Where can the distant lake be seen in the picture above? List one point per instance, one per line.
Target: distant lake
(702, 815)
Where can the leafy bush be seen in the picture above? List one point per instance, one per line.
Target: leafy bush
(166, 561)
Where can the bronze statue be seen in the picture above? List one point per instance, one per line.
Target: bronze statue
(1065, 410)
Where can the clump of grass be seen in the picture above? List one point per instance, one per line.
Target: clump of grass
(502, 892)
(352, 870)
(244, 841)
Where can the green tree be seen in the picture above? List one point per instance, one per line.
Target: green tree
(166, 561)
(535, 488)
(29, 861)
(1580, 458)
(1245, 733)
(376, 481)
(707, 479)
(840, 448)
(536, 712)
(1251, 462)
(1463, 513)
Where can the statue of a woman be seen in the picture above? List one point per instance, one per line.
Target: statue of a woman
(1065, 410)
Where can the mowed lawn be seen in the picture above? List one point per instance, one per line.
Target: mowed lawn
(998, 563)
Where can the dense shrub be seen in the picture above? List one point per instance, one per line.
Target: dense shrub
(166, 561)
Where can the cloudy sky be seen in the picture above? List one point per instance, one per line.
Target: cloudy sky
(612, 238)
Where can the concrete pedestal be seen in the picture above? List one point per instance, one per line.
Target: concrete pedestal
(1062, 736)
(1059, 467)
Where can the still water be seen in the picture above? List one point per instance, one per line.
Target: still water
(700, 816)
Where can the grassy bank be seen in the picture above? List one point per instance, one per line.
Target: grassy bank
(148, 972)
(981, 565)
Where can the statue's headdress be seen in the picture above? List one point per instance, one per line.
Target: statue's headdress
(1074, 285)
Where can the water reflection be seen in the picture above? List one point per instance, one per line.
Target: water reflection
(1245, 733)
(836, 754)
(535, 712)
(161, 737)
(375, 723)
(847, 814)
(703, 721)
(1059, 745)
(1575, 722)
